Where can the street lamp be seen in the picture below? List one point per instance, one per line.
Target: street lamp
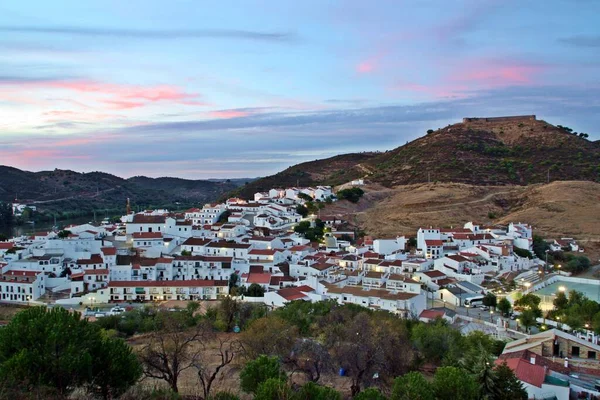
(491, 315)
(562, 289)
(92, 302)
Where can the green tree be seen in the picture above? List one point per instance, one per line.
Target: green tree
(302, 210)
(370, 394)
(480, 365)
(528, 319)
(451, 383)
(270, 336)
(115, 368)
(490, 300)
(312, 391)
(353, 195)
(224, 396)
(258, 371)
(412, 386)
(58, 349)
(255, 290)
(504, 306)
(437, 341)
(508, 387)
(273, 389)
(63, 234)
(560, 301)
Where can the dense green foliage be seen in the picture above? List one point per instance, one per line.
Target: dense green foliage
(353, 195)
(310, 232)
(412, 386)
(6, 214)
(522, 252)
(58, 350)
(260, 370)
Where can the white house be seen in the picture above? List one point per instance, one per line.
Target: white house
(22, 286)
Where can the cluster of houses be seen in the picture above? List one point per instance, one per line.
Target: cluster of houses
(157, 255)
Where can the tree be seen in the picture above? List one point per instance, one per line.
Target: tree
(353, 195)
(302, 210)
(311, 358)
(522, 252)
(234, 280)
(58, 349)
(207, 371)
(412, 242)
(312, 391)
(273, 389)
(480, 365)
(489, 300)
(437, 341)
(6, 216)
(507, 384)
(115, 368)
(63, 234)
(172, 348)
(369, 348)
(305, 197)
(504, 306)
(260, 370)
(450, 383)
(255, 290)
(530, 302)
(370, 394)
(186, 253)
(271, 336)
(528, 319)
(429, 131)
(412, 386)
(561, 301)
(227, 311)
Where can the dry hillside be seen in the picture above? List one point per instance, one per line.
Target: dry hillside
(563, 208)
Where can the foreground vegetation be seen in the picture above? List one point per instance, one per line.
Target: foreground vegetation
(294, 352)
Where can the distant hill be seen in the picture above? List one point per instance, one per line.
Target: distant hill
(61, 190)
(477, 151)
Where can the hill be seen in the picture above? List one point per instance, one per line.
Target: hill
(64, 190)
(480, 151)
(558, 209)
(330, 171)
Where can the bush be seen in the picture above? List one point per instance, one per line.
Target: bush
(260, 370)
(273, 389)
(224, 396)
(522, 253)
(353, 195)
(370, 394)
(312, 391)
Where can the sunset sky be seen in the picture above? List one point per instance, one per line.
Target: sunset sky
(218, 89)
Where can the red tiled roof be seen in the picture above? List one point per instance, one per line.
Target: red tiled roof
(109, 251)
(260, 278)
(228, 245)
(6, 245)
(434, 274)
(148, 219)
(18, 272)
(434, 243)
(291, 294)
(174, 283)
(431, 314)
(96, 271)
(306, 288)
(147, 235)
(94, 259)
(525, 371)
(263, 252)
(196, 242)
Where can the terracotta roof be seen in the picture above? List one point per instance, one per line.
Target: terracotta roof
(260, 278)
(276, 280)
(525, 371)
(19, 272)
(322, 266)
(263, 252)
(458, 258)
(196, 242)
(174, 283)
(374, 275)
(228, 245)
(434, 274)
(431, 314)
(109, 251)
(96, 271)
(434, 243)
(148, 219)
(94, 259)
(147, 235)
(291, 293)
(403, 278)
(6, 245)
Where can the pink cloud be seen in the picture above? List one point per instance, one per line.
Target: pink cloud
(488, 73)
(365, 67)
(228, 114)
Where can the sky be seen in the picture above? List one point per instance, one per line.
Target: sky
(199, 89)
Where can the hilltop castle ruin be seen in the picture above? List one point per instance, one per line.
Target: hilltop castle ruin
(509, 118)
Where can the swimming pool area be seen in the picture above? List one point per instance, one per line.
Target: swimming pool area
(591, 291)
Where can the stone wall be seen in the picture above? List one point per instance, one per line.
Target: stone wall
(509, 118)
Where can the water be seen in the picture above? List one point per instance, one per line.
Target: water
(28, 229)
(590, 291)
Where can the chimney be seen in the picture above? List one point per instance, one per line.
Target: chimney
(532, 359)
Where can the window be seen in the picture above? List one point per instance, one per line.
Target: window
(592, 355)
(575, 351)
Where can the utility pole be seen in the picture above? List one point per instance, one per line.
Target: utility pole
(548, 178)
(428, 177)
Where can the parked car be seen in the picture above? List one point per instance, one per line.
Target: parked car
(117, 310)
(484, 308)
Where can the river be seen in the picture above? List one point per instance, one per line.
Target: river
(28, 229)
